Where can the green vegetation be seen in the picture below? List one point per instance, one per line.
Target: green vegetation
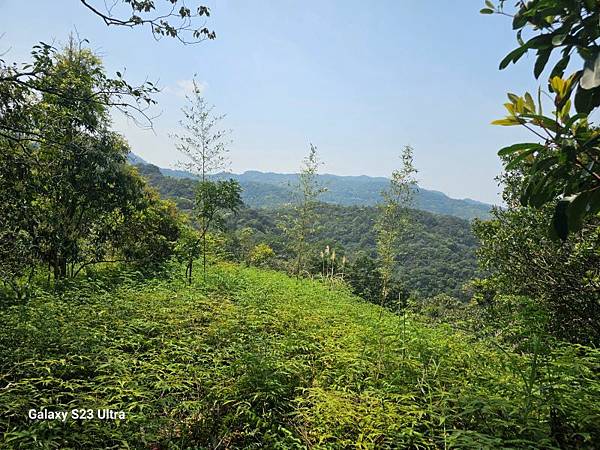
(302, 223)
(68, 199)
(392, 223)
(563, 169)
(255, 358)
(436, 256)
(274, 190)
(523, 260)
(326, 319)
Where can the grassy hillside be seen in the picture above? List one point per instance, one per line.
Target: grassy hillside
(254, 359)
(273, 190)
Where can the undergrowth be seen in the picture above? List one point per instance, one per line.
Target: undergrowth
(255, 359)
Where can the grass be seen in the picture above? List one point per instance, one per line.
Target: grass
(254, 359)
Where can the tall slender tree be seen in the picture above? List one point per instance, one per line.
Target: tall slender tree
(304, 221)
(205, 146)
(392, 221)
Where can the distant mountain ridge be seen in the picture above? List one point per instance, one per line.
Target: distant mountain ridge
(272, 190)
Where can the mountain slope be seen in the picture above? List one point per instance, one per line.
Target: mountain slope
(436, 256)
(272, 190)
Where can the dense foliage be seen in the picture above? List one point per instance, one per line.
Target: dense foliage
(254, 358)
(564, 164)
(68, 199)
(522, 260)
(437, 255)
(96, 314)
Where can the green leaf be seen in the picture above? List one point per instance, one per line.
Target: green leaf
(519, 21)
(558, 39)
(529, 102)
(518, 147)
(513, 56)
(574, 119)
(508, 122)
(513, 97)
(577, 209)
(515, 161)
(586, 100)
(560, 67)
(486, 11)
(541, 61)
(544, 121)
(540, 42)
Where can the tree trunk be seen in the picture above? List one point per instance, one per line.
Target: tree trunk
(60, 267)
(189, 269)
(204, 255)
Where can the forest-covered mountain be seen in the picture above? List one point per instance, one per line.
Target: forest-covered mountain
(437, 254)
(267, 190)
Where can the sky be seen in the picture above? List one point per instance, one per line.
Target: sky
(360, 80)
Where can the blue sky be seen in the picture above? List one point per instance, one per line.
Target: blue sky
(358, 80)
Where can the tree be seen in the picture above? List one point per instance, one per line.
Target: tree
(523, 263)
(170, 18)
(173, 19)
(147, 233)
(64, 193)
(303, 222)
(213, 200)
(563, 167)
(84, 175)
(365, 278)
(23, 86)
(205, 146)
(245, 243)
(392, 220)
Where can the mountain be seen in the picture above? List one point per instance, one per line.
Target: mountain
(437, 254)
(134, 159)
(272, 190)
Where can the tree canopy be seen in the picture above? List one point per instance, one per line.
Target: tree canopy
(563, 167)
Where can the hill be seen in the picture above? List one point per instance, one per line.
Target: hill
(272, 190)
(254, 359)
(437, 255)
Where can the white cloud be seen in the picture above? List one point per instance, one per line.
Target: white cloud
(185, 87)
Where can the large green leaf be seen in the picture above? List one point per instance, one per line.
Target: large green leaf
(514, 163)
(513, 56)
(561, 65)
(542, 59)
(518, 147)
(576, 211)
(587, 100)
